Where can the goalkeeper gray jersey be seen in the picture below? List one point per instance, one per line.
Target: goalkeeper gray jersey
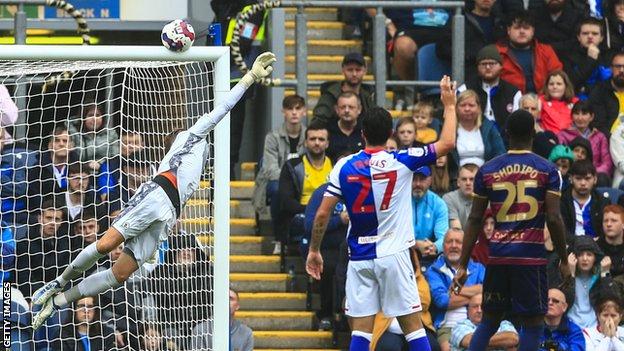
(189, 152)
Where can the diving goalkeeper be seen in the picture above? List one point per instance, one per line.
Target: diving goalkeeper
(151, 213)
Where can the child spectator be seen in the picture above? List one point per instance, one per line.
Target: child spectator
(481, 251)
(557, 99)
(392, 144)
(93, 139)
(607, 335)
(423, 115)
(582, 149)
(563, 157)
(582, 117)
(406, 132)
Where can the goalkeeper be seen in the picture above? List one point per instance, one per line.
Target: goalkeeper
(151, 213)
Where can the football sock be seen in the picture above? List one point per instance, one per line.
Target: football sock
(91, 286)
(360, 341)
(417, 340)
(481, 337)
(85, 260)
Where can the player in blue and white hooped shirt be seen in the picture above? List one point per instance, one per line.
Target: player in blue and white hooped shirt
(376, 188)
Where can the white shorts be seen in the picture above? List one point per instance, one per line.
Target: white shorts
(146, 221)
(385, 283)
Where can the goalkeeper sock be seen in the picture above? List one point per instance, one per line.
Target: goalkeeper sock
(90, 286)
(417, 340)
(530, 338)
(481, 337)
(360, 341)
(85, 260)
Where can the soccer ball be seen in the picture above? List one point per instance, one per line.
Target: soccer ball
(178, 35)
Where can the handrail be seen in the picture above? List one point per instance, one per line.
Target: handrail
(379, 41)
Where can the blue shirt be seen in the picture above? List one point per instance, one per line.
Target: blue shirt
(568, 336)
(466, 327)
(525, 60)
(431, 220)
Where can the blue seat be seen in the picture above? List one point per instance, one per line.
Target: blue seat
(612, 194)
(430, 67)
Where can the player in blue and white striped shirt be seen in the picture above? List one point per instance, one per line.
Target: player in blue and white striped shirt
(376, 188)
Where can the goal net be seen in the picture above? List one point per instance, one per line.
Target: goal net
(82, 129)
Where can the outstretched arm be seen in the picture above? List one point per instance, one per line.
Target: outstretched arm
(260, 69)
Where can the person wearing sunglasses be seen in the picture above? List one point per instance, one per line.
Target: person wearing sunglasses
(560, 333)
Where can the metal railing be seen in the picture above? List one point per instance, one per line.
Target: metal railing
(277, 41)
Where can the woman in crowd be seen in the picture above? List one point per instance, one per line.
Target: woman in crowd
(607, 335)
(557, 99)
(440, 179)
(544, 140)
(478, 139)
(83, 331)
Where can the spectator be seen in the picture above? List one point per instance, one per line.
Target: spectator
(585, 64)
(616, 149)
(80, 196)
(498, 97)
(607, 335)
(15, 161)
(481, 250)
(423, 117)
(560, 333)
(345, 133)
(589, 270)
(483, 26)
(563, 157)
(605, 97)
(506, 337)
(612, 242)
(84, 331)
(19, 319)
(49, 177)
(154, 341)
(7, 245)
(86, 229)
(614, 26)
(280, 145)
(582, 149)
(43, 254)
(526, 61)
(581, 204)
(556, 24)
(109, 172)
(392, 144)
(430, 216)
(557, 99)
(135, 170)
(301, 176)
(335, 235)
(8, 114)
(405, 132)
(544, 141)
(440, 180)
(387, 333)
(478, 140)
(582, 117)
(449, 309)
(354, 70)
(93, 138)
(459, 201)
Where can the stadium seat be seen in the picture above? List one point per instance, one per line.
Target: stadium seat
(429, 67)
(610, 193)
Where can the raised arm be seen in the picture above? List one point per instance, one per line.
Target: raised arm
(446, 143)
(260, 69)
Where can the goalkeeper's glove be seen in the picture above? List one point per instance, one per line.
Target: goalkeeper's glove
(260, 69)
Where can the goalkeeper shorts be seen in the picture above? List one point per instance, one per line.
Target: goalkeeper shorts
(146, 220)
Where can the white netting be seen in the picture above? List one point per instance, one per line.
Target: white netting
(56, 198)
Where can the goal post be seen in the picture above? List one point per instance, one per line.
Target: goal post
(25, 64)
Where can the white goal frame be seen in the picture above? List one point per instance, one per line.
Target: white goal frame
(220, 56)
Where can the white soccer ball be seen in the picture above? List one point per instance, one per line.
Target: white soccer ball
(178, 35)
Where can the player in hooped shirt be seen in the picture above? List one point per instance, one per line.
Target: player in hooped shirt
(523, 191)
(376, 188)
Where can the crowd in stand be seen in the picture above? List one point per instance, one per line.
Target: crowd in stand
(562, 61)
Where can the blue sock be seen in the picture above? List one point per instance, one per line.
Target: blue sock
(530, 338)
(360, 341)
(417, 340)
(481, 336)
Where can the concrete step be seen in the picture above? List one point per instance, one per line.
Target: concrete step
(292, 339)
(314, 14)
(317, 29)
(314, 95)
(239, 189)
(259, 282)
(326, 47)
(241, 245)
(393, 113)
(271, 301)
(326, 77)
(276, 320)
(197, 208)
(254, 264)
(238, 226)
(248, 170)
(320, 64)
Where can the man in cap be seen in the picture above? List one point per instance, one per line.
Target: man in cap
(498, 97)
(353, 69)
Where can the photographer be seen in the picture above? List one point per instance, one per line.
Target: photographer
(560, 333)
